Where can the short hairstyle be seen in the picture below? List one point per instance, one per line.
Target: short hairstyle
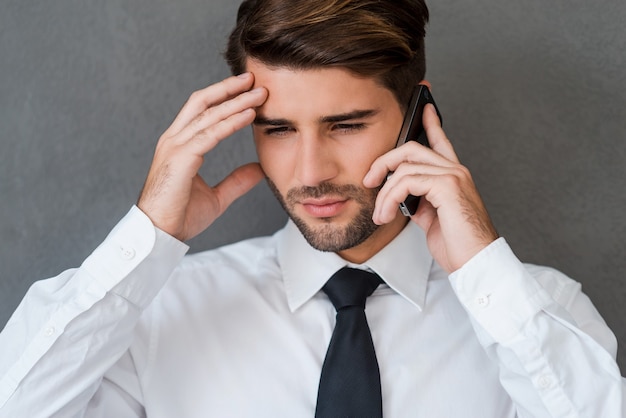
(379, 39)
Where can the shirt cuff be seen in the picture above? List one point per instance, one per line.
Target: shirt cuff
(136, 259)
(498, 292)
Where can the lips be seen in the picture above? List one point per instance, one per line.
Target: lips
(323, 207)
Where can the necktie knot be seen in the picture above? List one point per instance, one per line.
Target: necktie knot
(350, 287)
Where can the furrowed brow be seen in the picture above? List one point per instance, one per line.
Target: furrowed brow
(357, 114)
(263, 121)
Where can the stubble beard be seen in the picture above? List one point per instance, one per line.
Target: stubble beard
(329, 236)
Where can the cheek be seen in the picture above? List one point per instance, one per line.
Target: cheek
(371, 149)
(261, 151)
(274, 161)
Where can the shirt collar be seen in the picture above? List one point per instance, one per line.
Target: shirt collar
(404, 264)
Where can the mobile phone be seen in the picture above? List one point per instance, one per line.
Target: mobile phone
(412, 130)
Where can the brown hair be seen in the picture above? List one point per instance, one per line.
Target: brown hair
(379, 39)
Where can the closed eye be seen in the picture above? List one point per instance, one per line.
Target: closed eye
(278, 131)
(349, 127)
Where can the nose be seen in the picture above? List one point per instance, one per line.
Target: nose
(316, 161)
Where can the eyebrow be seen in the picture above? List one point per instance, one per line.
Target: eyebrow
(342, 117)
(355, 114)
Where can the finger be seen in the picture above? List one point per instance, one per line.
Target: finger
(436, 183)
(390, 196)
(209, 96)
(419, 169)
(204, 141)
(218, 113)
(238, 183)
(425, 215)
(436, 136)
(410, 153)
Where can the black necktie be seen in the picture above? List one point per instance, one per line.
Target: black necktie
(350, 381)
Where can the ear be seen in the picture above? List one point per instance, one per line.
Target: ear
(426, 83)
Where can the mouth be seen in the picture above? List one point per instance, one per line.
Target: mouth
(326, 207)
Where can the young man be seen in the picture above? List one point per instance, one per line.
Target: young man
(460, 327)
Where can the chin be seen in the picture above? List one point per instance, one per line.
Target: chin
(337, 233)
(331, 236)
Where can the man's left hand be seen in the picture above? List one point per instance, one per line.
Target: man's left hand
(451, 211)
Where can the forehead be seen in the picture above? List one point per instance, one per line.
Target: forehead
(316, 92)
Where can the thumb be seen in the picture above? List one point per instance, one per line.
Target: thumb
(239, 182)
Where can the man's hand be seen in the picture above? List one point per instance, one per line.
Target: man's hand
(174, 196)
(451, 211)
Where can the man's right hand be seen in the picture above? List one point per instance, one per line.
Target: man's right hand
(174, 195)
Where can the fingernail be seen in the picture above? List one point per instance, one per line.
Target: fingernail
(244, 75)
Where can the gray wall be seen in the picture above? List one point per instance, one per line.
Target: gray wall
(533, 95)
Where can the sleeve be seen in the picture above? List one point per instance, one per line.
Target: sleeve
(69, 330)
(556, 354)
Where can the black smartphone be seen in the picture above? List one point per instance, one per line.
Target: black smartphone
(412, 130)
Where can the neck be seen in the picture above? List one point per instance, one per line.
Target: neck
(375, 242)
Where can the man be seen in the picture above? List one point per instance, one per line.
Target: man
(460, 327)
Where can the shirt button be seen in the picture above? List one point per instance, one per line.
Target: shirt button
(544, 382)
(127, 253)
(49, 332)
(482, 301)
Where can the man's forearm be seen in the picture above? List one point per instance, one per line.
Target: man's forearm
(555, 353)
(70, 329)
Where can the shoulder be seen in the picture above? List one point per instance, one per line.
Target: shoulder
(242, 262)
(209, 280)
(249, 254)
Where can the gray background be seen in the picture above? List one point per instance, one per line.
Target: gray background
(533, 95)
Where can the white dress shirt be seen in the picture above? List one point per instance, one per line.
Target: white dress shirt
(242, 331)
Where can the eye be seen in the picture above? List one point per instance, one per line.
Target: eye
(349, 127)
(278, 131)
